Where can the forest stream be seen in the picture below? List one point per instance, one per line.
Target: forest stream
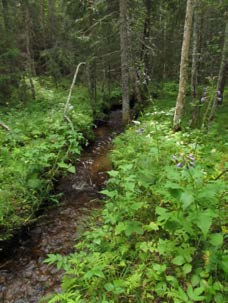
(24, 277)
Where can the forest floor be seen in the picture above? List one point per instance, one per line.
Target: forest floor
(161, 234)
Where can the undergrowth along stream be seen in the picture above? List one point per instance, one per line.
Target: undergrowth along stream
(40, 147)
(161, 234)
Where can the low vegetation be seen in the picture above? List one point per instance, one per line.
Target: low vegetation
(40, 146)
(160, 236)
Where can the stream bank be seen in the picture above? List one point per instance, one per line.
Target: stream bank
(24, 278)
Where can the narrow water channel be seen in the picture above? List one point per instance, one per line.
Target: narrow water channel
(24, 278)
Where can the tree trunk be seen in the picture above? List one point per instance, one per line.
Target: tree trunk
(195, 54)
(146, 34)
(51, 16)
(124, 40)
(183, 66)
(195, 66)
(164, 51)
(30, 61)
(6, 17)
(222, 72)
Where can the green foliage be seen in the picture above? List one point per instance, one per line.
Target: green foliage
(162, 237)
(40, 146)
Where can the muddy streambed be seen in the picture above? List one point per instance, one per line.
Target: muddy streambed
(24, 278)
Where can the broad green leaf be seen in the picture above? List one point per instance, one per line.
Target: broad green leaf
(186, 199)
(179, 260)
(109, 286)
(187, 268)
(63, 165)
(121, 226)
(204, 222)
(195, 280)
(109, 193)
(151, 227)
(134, 227)
(71, 169)
(216, 239)
(129, 228)
(96, 271)
(219, 298)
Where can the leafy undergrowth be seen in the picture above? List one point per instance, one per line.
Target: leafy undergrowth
(40, 146)
(160, 236)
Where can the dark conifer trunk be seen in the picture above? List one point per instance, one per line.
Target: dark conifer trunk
(124, 40)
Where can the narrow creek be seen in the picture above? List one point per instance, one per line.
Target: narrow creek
(24, 278)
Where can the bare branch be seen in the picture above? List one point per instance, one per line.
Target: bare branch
(66, 109)
(71, 88)
(4, 126)
(222, 173)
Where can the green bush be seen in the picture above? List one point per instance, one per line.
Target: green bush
(40, 146)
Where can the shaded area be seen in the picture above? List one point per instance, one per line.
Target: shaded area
(23, 276)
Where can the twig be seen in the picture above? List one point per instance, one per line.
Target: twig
(3, 125)
(98, 22)
(222, 173)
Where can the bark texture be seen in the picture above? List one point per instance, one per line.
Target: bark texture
(146, 34)
(224, 61)
(195, 54)
(6, 17)
(222, 71)
(30, 66)
(124, 41)
(184, 65)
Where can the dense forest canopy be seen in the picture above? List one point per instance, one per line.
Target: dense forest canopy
(52, 37)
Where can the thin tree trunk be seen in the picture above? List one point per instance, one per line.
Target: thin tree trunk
(51, 15)
(195, 54)
(6, 17)
(195, 66)
(30, 61)
(222, 72)
(124, 39)
(164, 51)
(92, 82)
(183, 66)
(146, 34)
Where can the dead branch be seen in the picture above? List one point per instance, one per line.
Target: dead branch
(222, 173)
(4, 126)
(71, 88)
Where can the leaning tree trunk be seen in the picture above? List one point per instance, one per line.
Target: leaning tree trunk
(183, 66)
(124, 39)
(222, 72)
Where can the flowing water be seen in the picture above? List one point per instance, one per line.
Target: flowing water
(24, 278)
